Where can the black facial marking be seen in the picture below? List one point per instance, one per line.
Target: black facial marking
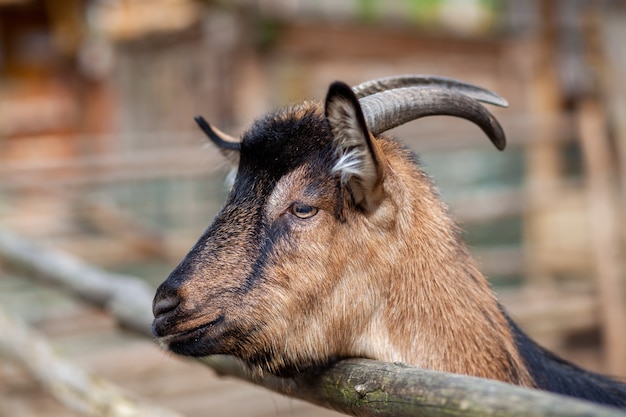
(281, 142)
(273, 147)
(258, 268)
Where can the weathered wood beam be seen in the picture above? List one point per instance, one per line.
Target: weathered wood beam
(605, 234)
(362, 387)
(359, 387)
(68, 383)
(128, 298)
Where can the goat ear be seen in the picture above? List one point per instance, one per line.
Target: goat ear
(360, 163)
(227, 145)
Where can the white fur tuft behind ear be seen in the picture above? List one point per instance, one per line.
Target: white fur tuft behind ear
(353, 156)
(358, 164)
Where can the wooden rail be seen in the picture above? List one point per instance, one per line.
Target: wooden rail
(70, 384)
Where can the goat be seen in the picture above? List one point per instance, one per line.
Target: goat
(333, 243)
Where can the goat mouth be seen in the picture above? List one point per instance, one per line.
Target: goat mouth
(201, 340)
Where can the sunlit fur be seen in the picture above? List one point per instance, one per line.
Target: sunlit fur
(379, 272)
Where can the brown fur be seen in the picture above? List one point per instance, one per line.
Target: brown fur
(390, 281)
(333, 243)
(421, 300)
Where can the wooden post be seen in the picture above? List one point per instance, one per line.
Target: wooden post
(614, 88)
(591, 118)
(543, 156)
(604, 229)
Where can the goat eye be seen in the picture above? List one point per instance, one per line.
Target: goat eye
(303, 211)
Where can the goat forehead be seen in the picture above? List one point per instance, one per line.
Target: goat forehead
(284, 140)
(293, 139)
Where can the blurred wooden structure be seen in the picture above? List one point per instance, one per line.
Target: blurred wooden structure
(111, 170)
(572, 33)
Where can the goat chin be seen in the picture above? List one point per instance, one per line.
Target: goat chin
(334, 243)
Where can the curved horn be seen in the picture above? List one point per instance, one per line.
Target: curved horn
(392, 108)
(221, 139)
(413, 80)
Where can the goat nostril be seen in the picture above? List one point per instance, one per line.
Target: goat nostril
(165, 305)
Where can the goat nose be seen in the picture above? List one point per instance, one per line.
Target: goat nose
(164, 305)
